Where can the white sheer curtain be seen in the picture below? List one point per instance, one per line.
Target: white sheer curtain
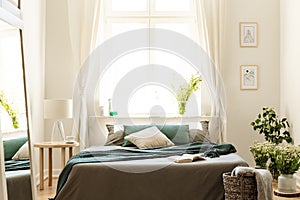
(84, 19)
(210, 20)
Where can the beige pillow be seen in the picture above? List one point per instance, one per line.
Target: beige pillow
(150, 137)
(197, 135)
(22, 153)
(114, 138)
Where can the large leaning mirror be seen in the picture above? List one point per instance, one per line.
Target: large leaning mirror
(16, 180)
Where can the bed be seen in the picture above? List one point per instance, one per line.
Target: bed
(146, 174)
(17, 168)
(19, 185)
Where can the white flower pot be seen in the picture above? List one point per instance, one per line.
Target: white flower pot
(286, 183)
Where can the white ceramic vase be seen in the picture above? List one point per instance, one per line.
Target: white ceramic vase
(286, 183)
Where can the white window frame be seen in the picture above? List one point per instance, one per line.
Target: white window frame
(146, 16)
(119, 20)
(179, 14)
(150, 11)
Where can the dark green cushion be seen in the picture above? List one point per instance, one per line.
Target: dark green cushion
(11, 146)
(178, 134)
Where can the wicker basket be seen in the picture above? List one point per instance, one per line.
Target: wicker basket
(240, 187)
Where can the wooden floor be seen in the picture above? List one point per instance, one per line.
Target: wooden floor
(49, 192)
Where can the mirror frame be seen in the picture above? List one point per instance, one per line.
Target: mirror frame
(28, 118)
(11, 14)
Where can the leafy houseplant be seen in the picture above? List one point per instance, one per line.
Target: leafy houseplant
(273, 128)
(275, 131)
(186, 90)
(11, 112)
(261, 153)
(287, 158)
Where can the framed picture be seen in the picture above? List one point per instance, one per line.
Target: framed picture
(248, 34)
(248, 77)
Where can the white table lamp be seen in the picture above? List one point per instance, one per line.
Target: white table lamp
(58, 109)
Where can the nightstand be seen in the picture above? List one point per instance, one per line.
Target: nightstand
(50, 146)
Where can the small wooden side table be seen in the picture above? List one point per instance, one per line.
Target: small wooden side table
(50, 146)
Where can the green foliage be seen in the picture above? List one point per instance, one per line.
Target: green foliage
(186, 90)
(287, 158)
(279, 159)
(11, 112)
(261, 153)
(274, 129)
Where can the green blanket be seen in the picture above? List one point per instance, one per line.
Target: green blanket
(13, 165)
(207, 149)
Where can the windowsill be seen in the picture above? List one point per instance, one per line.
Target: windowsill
(14, 134)
(153, 119)
(153, 116)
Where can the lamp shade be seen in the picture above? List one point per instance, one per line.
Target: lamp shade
(58, 108)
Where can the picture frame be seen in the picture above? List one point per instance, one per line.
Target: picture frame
(248, 77)
(248, 34)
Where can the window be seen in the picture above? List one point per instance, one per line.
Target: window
(151, 98)
(11, 77)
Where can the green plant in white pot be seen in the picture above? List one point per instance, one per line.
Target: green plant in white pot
(275, 130)
(287, 159)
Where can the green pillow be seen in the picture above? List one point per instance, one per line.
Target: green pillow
(178, 134)
(11, 146)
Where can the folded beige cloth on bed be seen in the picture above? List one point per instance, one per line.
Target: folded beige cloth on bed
(263, 180)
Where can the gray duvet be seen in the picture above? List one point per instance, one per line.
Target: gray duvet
(18, 185)
(151, 179)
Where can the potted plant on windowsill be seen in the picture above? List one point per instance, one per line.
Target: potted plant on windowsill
(8, 108)
(185, 92)
(275, 130)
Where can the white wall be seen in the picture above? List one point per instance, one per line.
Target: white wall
(60, 72)
(59, 69)
(290, 64)
(243, 106)
(34, 51)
